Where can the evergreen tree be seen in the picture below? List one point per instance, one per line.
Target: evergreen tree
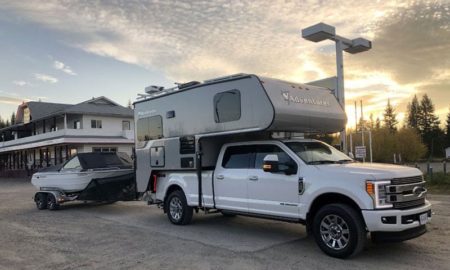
(447, 131)
(427, 120)
(378, 123)
(13, 118)
(428, 125)
(413, 113)
(390, 118)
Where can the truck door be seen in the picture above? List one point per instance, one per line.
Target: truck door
(274, 194)
(230, 179)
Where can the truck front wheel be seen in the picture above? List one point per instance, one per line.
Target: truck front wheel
(339, 230)
(177, 209)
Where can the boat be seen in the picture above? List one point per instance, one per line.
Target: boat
(77, 173)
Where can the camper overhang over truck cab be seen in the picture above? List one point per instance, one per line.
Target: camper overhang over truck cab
(211, 146)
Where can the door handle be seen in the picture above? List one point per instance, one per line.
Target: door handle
(220, 177)
(253, 178)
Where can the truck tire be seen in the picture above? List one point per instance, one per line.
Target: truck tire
(41, 200)
(51, 202)
(339, 230)
(177, 209)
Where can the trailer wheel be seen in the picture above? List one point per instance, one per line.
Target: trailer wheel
(51, 202)
(177, 209)
(41, 200)
(339, 230)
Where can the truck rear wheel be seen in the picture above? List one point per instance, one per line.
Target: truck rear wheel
(51, 202)
(339, 230)
(41, 200)
(177, 209)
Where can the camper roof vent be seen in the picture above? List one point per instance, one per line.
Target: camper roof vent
(188, 84)
(226, 78)
(153, 89)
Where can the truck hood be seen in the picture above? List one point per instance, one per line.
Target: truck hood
(370, 171)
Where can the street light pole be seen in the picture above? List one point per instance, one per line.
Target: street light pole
(322, 31)
(340, 88)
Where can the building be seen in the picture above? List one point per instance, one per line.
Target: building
(47, 134)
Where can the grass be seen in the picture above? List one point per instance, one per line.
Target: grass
(438, 183)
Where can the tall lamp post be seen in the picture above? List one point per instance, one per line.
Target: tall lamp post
(322, 31)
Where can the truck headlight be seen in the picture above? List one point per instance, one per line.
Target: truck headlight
(377, 190)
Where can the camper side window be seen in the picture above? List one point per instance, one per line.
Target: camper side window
(148, 128)
(227, 106)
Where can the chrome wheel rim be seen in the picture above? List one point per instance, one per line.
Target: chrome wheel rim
(176, 208)
(335, 232)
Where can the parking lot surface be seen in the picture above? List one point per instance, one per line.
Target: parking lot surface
(132, 235)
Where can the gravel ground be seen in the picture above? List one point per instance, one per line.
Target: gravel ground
(132, 235)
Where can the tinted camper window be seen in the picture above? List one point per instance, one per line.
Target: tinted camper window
(149, 128)
(227, 106)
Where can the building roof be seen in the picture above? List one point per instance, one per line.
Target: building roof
(41, 110)
(100, 106)
(94, 106)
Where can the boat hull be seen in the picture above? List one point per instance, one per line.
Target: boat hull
(73, 181)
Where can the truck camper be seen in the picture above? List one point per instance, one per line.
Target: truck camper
(210, 146)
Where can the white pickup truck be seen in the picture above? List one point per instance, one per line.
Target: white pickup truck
(308, 182)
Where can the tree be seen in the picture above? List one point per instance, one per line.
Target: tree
(447, 130)
(413, 113)
(427, 120)
(428, 125)
(371, 122)
(13, 118)
(390, 118)
(378, 123)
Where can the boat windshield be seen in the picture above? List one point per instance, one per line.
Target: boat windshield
(316, 153)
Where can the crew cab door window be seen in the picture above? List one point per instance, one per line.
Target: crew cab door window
(284, 159)
(238, 157)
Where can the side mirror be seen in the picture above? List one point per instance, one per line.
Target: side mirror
(270, 164)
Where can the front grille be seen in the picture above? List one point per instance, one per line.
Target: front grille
(407, 180)
(409, 204)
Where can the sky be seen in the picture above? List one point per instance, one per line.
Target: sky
(71, 51)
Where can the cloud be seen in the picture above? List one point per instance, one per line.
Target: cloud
(203, 39)
(11, 100)
(45, 78)
(63, 67)
(21, 83)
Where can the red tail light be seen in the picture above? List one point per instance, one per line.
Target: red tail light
(155, 177)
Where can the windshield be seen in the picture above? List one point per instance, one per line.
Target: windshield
(318, 153)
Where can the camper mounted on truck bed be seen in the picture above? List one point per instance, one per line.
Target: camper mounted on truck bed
(228, 145)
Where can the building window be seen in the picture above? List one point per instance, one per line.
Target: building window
(126, 125)
(77, 124)
(96, 123)
(148, 128)
(104, 149)
(227, 106)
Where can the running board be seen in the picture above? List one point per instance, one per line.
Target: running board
(263, 216)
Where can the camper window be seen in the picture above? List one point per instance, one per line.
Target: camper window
(227, 106)
(149, 128)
